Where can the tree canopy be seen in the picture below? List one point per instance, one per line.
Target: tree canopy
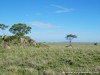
(20, 29)
(70, 37)
(3, 27)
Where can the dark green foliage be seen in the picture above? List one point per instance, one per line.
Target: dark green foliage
(15, 39)
(0, 38)
(9, 38)
(3, 27)
(70, 37)
(95, 43)
(20, 29)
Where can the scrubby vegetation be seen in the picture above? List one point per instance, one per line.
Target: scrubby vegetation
(43, 45)
(55, 60)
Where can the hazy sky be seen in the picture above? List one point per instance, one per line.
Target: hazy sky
(52, 20)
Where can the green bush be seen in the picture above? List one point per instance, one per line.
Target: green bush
(41, 45)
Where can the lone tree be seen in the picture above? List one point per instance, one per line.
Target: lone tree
(3, 27)
(20, 29)
(70, 37)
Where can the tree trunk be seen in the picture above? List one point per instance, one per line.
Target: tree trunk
(3, 32)
(70, 43)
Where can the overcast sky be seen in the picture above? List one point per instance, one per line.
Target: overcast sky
(52, 20)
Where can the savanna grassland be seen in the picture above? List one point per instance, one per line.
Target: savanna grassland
(56, 59)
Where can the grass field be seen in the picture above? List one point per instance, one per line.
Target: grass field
(55, 60)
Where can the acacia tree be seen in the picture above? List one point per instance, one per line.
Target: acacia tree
(3, 27)
(20, 29)
(70, 37)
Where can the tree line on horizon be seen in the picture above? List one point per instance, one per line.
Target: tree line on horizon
(20, 29)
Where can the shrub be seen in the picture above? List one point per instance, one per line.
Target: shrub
(95, 43)
(41, 45)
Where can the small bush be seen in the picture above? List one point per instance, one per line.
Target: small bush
(95, 43)
(41, 45)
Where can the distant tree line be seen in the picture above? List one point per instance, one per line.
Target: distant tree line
(19, 30)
